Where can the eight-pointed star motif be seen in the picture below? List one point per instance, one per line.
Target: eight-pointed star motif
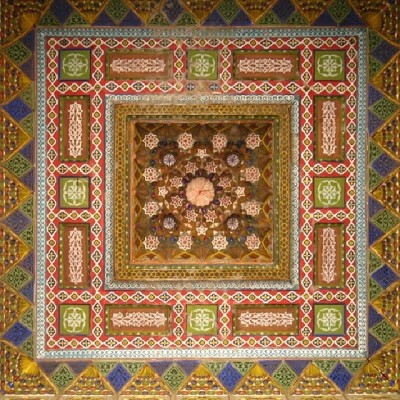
(150, 140)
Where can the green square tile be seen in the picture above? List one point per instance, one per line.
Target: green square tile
(74, 192)
(329, 192)
(75, 65)
(202, 64)
(202, 319)
(74, 319)
(329, 319)
(330, 65)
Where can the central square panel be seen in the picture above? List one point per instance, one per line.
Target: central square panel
(202, 195)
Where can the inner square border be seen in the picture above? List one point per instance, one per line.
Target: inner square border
(293, 102)
(360, 190)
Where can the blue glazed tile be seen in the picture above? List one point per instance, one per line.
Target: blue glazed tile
(17, 221)
(384, 51)
(373, 345)
(17, 334)
(118, 377)
(283, 9)
(78, 367)
(385, 276)
(352, 19)
(28, 262)
(29, 40)
(48, 366)
(297, 365)
(270, 365)
(29, 151)
(172, 9)
(188, 366)
(28, 68)
(229, 377)
(374, 95)
(341, 376)
(215, 19)
(28, 291)
(104, 20)
(384, 164)
(131, 19)
(374, 123)
(160, 366)
(374, 233)
(242, 19)
(374, 206)
(61, 10)
(373, 317)
(29, 179)
(18, 109)
(325, 19)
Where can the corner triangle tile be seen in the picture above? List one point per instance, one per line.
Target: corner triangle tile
(201, 8)
(311, 378)
(14, 138)
(202, 381)
(388, 304)
(21, 375)
(382, 369)
(14, 249)
(258, 382)
(89, 382)
(146, 383)
(13, 305)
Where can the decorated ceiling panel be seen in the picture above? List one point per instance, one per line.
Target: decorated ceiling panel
(199, 199)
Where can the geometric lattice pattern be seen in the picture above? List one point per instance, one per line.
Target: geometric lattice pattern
(24, 374)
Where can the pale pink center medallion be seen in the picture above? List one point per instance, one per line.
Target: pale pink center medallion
(200, 192)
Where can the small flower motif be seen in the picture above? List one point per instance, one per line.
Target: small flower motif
(201, 230)
(191, 168)
(240, 192)
(150, 174)
(169, 222)
(253, 141)
(151, 208)
(202, 153)
(225, 182)
(252, 174)
(185, 241)
(176, 201)
(233, 160)
(225, 201)
(219, 142)
(169, 160)
(210, 216)
(150, 140)
(211, 167)
(219, 242)
(151, 242)
(253, 242)
(233, 223)
(162, 191)
(185, 141)
(251, 207)
(176, 181)
(191, 215)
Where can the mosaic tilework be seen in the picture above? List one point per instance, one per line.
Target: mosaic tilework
(148, 254)
(23, 375)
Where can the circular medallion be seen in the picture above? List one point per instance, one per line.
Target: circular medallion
(200, 192)
(233, 160)
(169, 159)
